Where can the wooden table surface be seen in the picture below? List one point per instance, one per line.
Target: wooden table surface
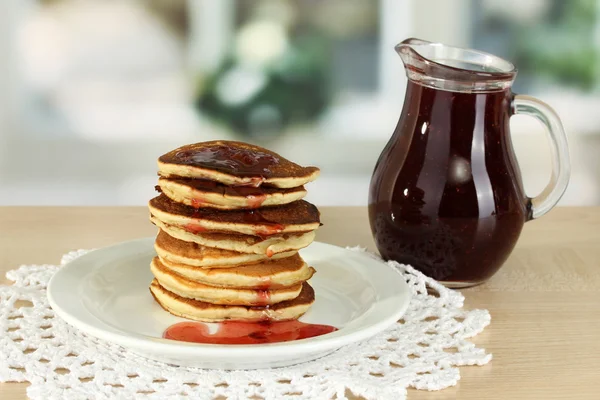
(544, 302)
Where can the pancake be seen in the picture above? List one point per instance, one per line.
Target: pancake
(299, 216)
(193, 254)
(188, 288)
(273, 274)
(207, 312)
(269, 246)
(201, 193)
(235, 164)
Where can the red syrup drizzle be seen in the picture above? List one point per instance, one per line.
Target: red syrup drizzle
(194, 227)
(255, 201)
(197, 203)
(265, 283)
(267, 231)
(233, 332)
(269, 228)
(263, 297)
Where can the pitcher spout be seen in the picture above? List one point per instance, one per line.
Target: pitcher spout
(453, 68)
(407, 50)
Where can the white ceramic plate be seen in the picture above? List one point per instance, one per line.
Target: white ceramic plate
(105, 294)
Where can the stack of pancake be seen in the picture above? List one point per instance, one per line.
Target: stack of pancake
(232, 220)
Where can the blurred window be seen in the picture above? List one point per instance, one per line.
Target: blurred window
(553, 42)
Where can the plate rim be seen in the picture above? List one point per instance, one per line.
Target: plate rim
(133, 341)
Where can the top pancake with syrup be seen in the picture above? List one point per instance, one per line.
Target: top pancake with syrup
(234, 163)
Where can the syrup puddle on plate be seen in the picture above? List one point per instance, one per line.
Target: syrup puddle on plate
(232, 332)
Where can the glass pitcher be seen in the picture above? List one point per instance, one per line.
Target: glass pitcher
(446, 194)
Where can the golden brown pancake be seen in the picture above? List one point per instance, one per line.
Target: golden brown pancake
(234, 163)
(207, 312)
(195, 255)
(299, 216)
(272, 274)
(268, 246)
(185, 287)
(199, 193)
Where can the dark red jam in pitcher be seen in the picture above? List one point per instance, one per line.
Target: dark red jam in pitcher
(446, 195)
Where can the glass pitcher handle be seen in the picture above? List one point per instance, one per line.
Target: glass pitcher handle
(561, 167)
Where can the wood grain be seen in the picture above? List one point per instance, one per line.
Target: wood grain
(545, 303)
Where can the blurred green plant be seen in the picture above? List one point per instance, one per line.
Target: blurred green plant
(562, 49)
(262, 100)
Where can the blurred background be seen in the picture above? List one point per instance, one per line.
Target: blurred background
(93, 91)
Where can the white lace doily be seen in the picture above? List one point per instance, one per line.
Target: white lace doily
(421, 351)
